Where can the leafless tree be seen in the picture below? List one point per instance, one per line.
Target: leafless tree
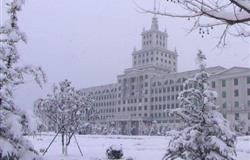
(232, 15)
(66, 111)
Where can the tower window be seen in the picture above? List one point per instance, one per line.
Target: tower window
(223, 83)
(236, 93)
(236, 82)
(236, 116)
(248, 80)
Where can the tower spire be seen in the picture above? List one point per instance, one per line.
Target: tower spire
(154, 8)
(154, 25)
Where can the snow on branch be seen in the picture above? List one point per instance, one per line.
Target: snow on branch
(232, 15)
(205, 133)
(13, 120)
(66, 111)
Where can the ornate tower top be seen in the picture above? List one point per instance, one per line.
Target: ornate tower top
(154, 52)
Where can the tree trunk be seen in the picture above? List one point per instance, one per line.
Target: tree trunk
(66, 146)
(62, 143)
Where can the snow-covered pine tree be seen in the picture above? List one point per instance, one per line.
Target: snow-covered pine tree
(12, 119)
(206, 134)
(66, 110)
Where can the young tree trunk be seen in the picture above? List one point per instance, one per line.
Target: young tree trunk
(67, 141)
(63, 143)
(66, 145)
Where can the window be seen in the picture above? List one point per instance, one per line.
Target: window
(248, 80)
(236, 104)
(223, 83)
(236, 93)
(236, 116)
(236, 82)
(213, 84)
(152, 107)
(224, 105)
(248, 103)
(132, 79)
(224, 94)
(248, 116)
(248, 91)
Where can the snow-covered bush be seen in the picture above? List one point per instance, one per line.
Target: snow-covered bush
(238, 126)
(206, 134)
(13, 120)
(66, 111)
(114, 152)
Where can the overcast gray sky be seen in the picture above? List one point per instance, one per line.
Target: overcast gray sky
(90, 42)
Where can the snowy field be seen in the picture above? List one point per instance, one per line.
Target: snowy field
(137, 147)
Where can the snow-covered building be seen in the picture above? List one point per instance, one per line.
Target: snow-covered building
(144, 92)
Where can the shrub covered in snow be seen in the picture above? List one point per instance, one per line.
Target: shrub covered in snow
(114, 152)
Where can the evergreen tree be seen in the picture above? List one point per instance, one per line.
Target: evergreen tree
(13, 121)
(206, 134)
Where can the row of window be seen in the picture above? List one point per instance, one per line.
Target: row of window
(133, 79)
(168, 82)
(152, 115)
(167, 89)
(236, 104)
(152, 53)
(145, 36)
(144, 61)
(107, 117)
(237, 116)
(145, 108)
(236, 93)
(150, 42)
(105, 97)
(103, 104)
(235, 82)
(103, 91)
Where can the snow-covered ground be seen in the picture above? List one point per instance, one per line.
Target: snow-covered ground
(138, 147)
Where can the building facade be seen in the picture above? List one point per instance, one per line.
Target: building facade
(144, 92)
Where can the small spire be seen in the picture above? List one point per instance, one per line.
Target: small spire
(154, 25)
(154, 8)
